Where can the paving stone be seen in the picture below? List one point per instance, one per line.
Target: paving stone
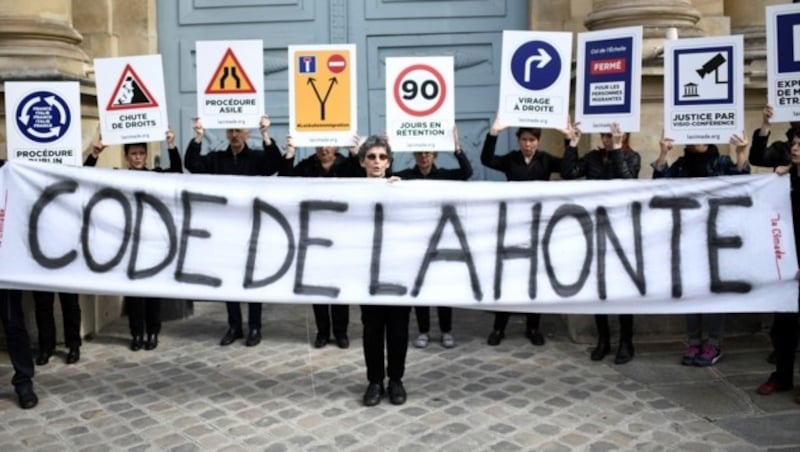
(284, 396)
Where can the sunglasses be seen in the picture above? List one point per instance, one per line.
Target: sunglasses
(377, 157)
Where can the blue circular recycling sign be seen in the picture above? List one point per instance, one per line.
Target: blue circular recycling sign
(43, 117)
(536, 65)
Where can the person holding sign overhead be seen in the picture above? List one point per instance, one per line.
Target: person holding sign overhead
(383, 323)
(426, 168)
(237, 160)
(325, 162)
(529, 163)
(614, 160)
(702, 160)
(144, 314)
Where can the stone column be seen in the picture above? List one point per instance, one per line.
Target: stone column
(656, 16)
(748, 19)
(37, 41)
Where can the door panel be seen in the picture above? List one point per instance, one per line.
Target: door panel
(469, 30)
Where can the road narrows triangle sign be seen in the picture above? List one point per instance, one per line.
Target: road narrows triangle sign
(230, 77)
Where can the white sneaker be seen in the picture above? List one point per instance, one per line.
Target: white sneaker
(421, 341)
(448, 341)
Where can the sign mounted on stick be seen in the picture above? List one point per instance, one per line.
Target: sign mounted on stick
(608, 79)
(131, 99)
(534, 82)
(783, 61)
(703, 89)
(322, 94)
(420, 105)
(43, 122)
(230, 83)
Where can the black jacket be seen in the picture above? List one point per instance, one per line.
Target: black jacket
(311, 167)
(513, 164)
(600, 165)
(175, 164)
(463, 172)
(246, 163)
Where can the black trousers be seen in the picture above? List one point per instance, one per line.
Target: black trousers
(144, 314)
(19, 343)
(501, 321)
(339, 317)
(625, 327)
(390, 324)
(784, 340)
(424, 318)
(45, 322)
(235, 315)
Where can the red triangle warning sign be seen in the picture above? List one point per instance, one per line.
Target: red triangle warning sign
(130, 92)
(230, 77)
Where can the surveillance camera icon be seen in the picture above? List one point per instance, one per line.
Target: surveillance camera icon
(711, 65)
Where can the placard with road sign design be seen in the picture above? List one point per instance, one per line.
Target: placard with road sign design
(130, 99)
(783, 61)
(420, 103)
(608, 79)
(43, 122)
(703, 89)
(230, 83)
(322, 94)
(534, 78)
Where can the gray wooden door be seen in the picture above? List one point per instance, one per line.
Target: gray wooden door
(469, 30)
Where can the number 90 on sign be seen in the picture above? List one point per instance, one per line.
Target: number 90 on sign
(419, 90)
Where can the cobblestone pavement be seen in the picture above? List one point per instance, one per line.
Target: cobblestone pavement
(191, 394)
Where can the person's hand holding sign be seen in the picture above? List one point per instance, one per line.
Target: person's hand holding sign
(617, 136)
(666, 146)
(572, 132)
(197, 125)
(740, 143)
(97, 146)
(170, 136)
(290, 149)
(497, 126)
(263, 127)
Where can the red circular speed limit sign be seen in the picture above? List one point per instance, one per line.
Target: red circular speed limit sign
(419, 90)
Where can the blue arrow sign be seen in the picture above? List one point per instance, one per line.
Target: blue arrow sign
(536, 65)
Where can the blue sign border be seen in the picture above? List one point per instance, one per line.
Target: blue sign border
(677, 70)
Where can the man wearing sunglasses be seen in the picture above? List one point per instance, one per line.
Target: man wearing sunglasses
(236, 159)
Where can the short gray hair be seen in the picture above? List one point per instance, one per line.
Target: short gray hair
(373, 141)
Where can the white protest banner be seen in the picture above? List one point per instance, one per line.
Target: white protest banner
(703, 89)
(420, 103)
(783, 61)
(717, 244)
(230, 83)
(322, 95)
(131, 99)
(609, 79)
(534, 78)
(43, 122)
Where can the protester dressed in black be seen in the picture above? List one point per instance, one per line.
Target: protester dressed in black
(529, 163)
(426, 168)
(144, 313)
(383, 323)
(784, 331)
(239, 160)
(18, 343)
(46, 325)
(326, 162)
(614, 160)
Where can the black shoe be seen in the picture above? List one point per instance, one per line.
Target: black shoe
(397, 393)
(625, 352)
(373, 394)
(74, 355)
(495, 337)
(44, 357)
(321, 340)
(342, 342)
(231, 335)
(152, 342)
(27, 398)
(136, 343)
(253, 338)
(602, 349)
(535, 337)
